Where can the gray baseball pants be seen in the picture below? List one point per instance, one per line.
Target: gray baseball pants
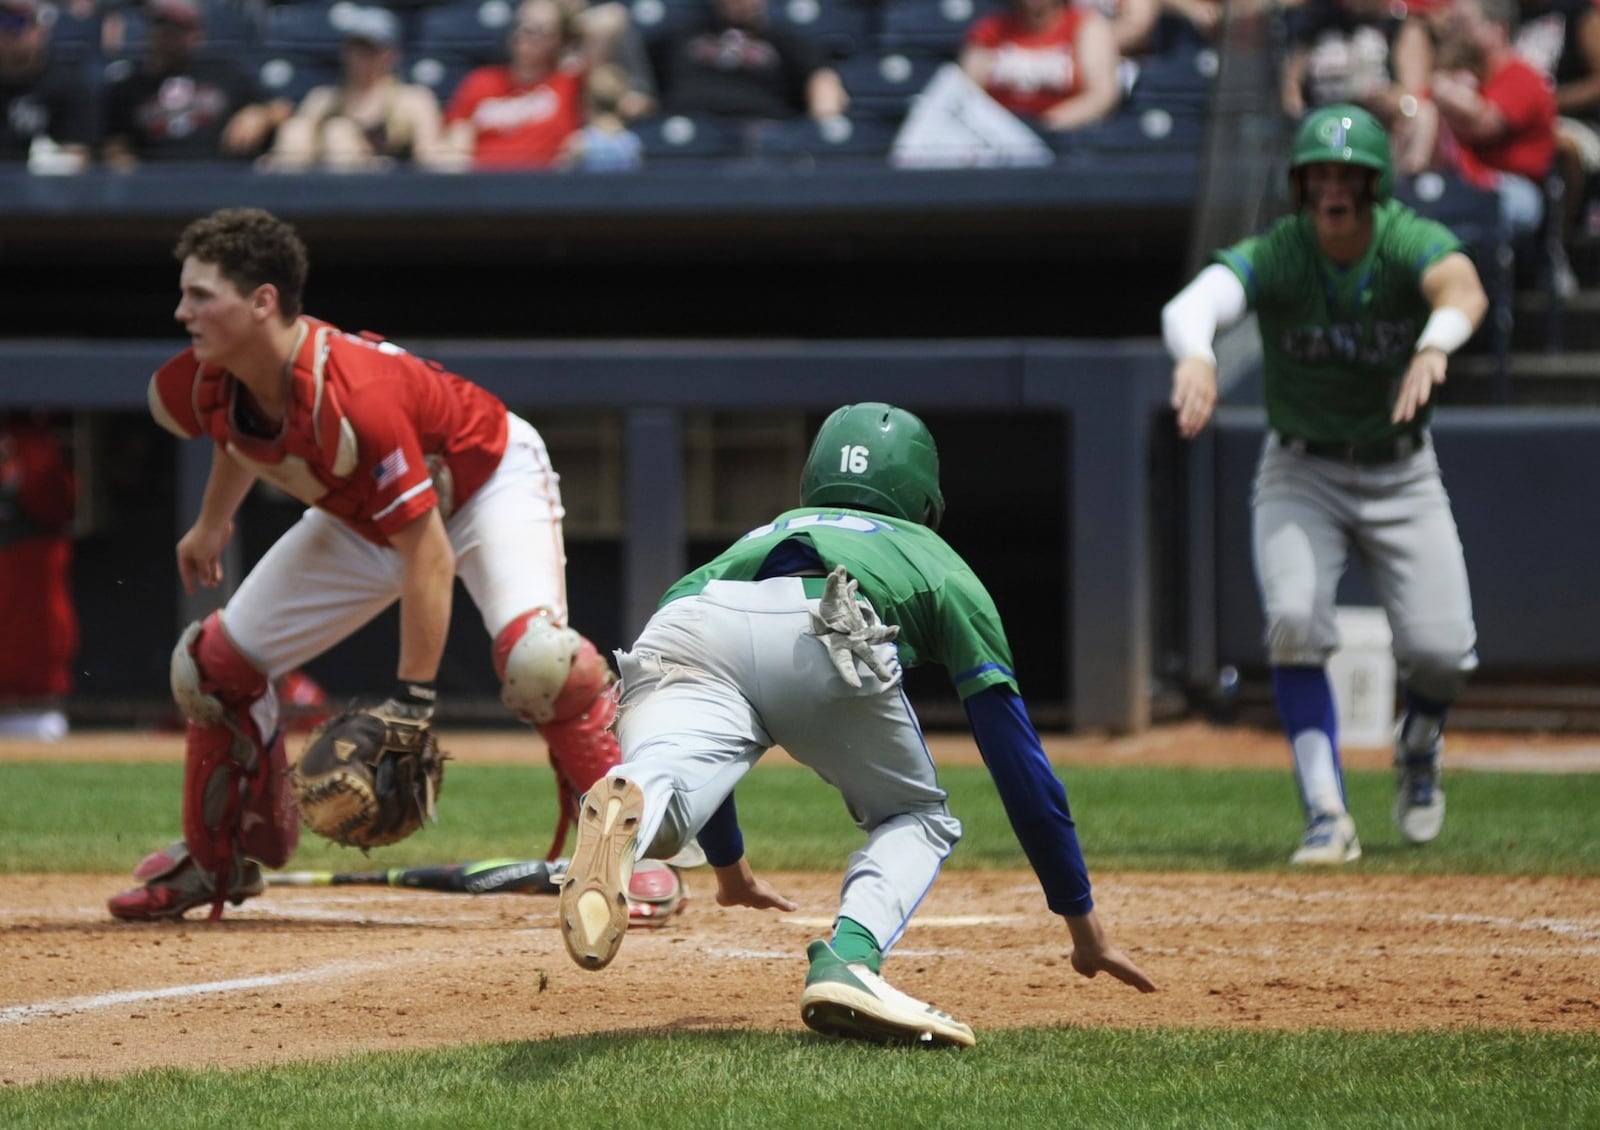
(716, 680)
(1310, 514)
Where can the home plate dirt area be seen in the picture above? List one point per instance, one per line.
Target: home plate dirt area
(301, 974)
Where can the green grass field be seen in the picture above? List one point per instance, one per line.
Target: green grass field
(100, 818)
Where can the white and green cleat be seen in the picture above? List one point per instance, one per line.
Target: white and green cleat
(849, 1000)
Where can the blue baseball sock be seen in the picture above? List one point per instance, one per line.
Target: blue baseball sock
(1311, 722)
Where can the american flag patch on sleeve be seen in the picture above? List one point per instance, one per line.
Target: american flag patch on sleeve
(391, 467)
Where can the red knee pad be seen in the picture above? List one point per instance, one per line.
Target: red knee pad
(225, 672)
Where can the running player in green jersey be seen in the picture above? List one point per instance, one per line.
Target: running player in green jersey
(795, 636)
(1360, 302)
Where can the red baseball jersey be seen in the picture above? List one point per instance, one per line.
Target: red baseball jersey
(1051, 73)
(373, 434)
(518, 126)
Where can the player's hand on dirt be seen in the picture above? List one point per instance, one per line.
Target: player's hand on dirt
(1194, 394)
(1426, 370)
(1114, 962)
(200, 555)
(737, 885)
(1093, 954)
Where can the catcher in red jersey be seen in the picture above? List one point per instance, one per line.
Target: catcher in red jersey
(412, 476)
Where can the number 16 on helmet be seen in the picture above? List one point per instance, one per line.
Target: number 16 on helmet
(875, 457)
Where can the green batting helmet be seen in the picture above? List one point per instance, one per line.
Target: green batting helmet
(874, 457)
(1345, 135)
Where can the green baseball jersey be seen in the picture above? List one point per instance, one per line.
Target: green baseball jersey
(1336, 341)
(909, 573)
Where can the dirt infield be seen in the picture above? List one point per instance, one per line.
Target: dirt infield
(306, 974)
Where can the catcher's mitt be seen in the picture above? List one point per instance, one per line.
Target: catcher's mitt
(368, 778)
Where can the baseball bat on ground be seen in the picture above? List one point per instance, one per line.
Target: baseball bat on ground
(480, 877)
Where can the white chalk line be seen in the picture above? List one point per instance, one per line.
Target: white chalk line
(1582, 759)
(924, 921)
(71, 1005)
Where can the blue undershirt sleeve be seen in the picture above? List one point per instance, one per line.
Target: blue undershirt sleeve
(721, 838)
(1034, 798)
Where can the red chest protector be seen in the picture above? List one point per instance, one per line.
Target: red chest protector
(316, 449)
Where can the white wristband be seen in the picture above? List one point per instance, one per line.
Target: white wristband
(1448, 329)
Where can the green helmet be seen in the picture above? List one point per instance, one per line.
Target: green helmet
(874, 457)
(1345, 135)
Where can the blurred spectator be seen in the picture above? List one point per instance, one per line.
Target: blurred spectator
(605, 144)
(614, 39)
(519, 114)
(37, 499)
(1133, 23)
(1346, 50)
(46, 110)
(737, 63)
(1562, 39)
(372, 119)
(1496, 113)
(179, 104)
(1046, 61)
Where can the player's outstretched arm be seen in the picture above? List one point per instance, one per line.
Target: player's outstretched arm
(737, 885)
(1093, 953)
(1189, 324)
(1456, 296)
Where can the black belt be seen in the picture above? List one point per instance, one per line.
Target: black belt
(1390, 449)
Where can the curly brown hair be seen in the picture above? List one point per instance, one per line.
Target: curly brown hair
(250, 247)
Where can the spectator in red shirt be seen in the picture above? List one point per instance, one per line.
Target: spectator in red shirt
(519, 114)
(1047, 61)
(1497, 113)
(1493, 115)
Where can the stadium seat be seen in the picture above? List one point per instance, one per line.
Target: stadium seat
(472, 29)
(440, 73)
(935, 27)
(656, 19)
(693, 137)
(842, 27)
(1473, 214)
(1182, 75)
(71, 37)
(843, 137)
(287, 74)
(882, 84)
(309, 28)
(1154, 130)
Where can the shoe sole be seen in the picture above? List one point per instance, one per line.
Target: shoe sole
(1350, 855)
(1427, 833)
(594, 898)
(834, 1009)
